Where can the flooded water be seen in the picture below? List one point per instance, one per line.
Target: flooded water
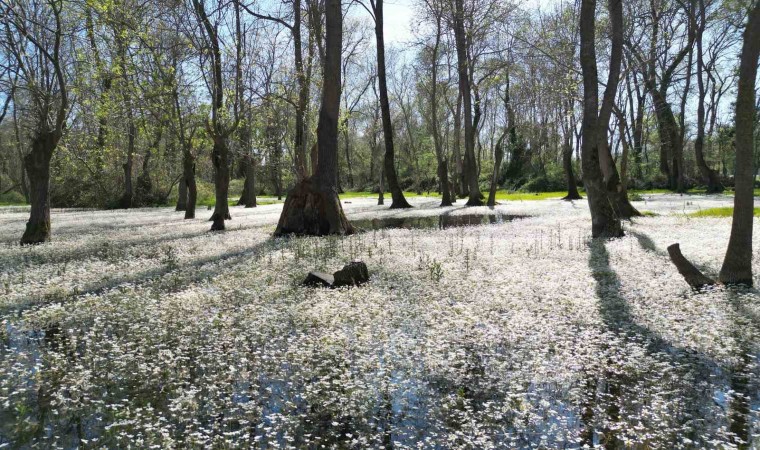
(435, 222)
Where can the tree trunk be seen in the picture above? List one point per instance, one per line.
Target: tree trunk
(381, 194)
(248, 197)
(498, 157)
(348, 153)
(459, 185)
(313, 206)
(37, 165)
(709, 175)
(670, 145)
(181, 194)
(470, 164)
(567, 163)
(691, 274)
(604, 222)
(219, 158)
(299, 144)
(397, 195)
(737, 264)
(188, 172)
(128, 198)
(443, 175)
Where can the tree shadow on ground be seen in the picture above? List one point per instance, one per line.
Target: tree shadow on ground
(94, 249)
(186, 275)
(618, 317)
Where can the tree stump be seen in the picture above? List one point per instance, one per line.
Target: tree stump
(693, 276)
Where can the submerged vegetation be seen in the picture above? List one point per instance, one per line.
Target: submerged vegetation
(146, 330)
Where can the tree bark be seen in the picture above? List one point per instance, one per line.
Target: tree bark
(397, 195)
(737, 264)
(693, 276)
(188, 172)
(709, 175)
(470, 164)
(498, 157)
(303, 96)
(248, 197)
(181, 194)
(567, 163)
(313, 206)
(37, 165)
(127, 198)
(219, 159)
(604, 222)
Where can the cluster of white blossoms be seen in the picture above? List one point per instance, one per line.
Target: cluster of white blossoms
(140, 329)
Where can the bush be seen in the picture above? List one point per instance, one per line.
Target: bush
(12, 198)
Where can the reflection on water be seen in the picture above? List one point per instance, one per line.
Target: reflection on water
(435, 222)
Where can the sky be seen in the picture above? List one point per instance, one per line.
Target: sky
(399, 17)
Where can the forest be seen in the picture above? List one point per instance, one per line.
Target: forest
(368, 224)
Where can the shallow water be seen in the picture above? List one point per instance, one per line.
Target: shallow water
(441, 222)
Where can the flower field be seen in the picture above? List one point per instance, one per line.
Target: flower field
(136, 328)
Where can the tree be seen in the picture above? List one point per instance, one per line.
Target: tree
(389, 163)
(312, 206)
(604, 220)
(34, 39)
(436, 10)
(709, 175)
(463, 71)
(737, 264)
(219, 129)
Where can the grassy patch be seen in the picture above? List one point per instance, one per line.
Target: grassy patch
(522, 196)
(727, 211)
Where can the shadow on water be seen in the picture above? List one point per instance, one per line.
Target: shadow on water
(440, 222)
(700, 380)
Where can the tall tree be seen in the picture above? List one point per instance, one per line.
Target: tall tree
(710, 176)
(463, 72)
(436, 10)
(604, 220)
(389, 163)
(219, 129)
(737, 264)
(34, 39)
(312, 206)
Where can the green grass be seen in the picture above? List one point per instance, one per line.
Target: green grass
(727, 211)
(13, 204)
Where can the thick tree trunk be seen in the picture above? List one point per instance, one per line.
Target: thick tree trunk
(313, 206)
(248, 197)
(737, 264)
(37, 165)
(604, 221)
(671, 152)
(221, 184)
(397, 195)
(470, 164)
(443, 175)
(567, 164)
(181, 195)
